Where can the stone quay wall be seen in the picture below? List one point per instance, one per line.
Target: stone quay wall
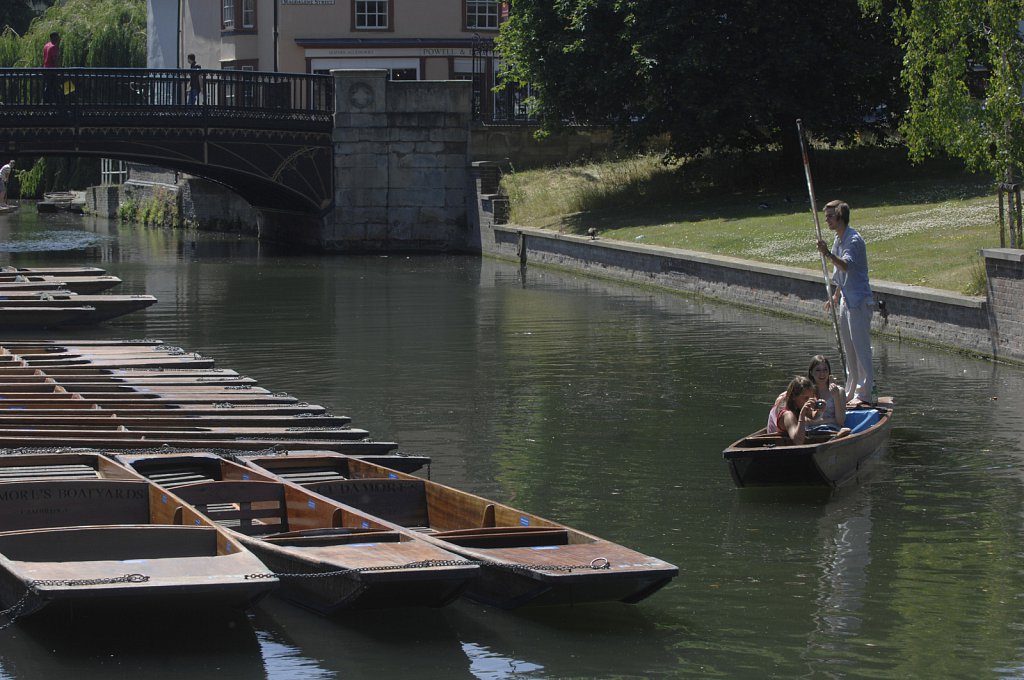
(401, 164)
(990, 326)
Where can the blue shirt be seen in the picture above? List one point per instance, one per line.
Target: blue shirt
(854, 281)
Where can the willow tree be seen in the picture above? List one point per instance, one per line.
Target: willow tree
(963, 72)
(94, 33)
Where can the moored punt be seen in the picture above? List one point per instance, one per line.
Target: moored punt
(525, 559)
(80, 539)
(77, 284)
(762, 459)
(329, 557)
(38, 316)
(13, 439)
(104, 307)
(53, 271)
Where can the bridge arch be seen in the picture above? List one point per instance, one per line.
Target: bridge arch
(266, 136)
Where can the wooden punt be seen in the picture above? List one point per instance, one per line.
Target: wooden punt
(39, 316)
(77, 537)
(104, 307)
(166, 419)
(78, 284)
(129, 440)
(526, 559)
(53, 271)
(143, 409)
(364, 563)
(761, 459)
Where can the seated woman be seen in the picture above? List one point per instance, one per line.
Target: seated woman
(833, 416)
(792, 415)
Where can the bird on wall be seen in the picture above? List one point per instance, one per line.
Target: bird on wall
(592, 233)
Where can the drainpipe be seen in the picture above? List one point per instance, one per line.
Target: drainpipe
(275, 36)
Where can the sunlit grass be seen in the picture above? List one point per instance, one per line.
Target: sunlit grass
(924, 226)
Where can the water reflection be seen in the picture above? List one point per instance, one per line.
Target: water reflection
(607, 407)
(157, 644)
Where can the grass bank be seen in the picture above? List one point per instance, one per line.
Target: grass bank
(923, 224)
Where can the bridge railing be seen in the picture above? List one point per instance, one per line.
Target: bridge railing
(137, 96)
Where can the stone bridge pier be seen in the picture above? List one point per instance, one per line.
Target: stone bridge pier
(401, 166)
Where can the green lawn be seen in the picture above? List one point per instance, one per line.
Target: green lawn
(923, 225)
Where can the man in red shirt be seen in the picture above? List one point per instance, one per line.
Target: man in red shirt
(51, 59)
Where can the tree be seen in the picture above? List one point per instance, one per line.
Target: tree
(93, 33)
(963, 73)
(721, 75)
(17, 15)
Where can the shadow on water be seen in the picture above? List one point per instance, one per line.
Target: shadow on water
(104, 643)
(463, 640)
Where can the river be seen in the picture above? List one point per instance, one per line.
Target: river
(602, 406)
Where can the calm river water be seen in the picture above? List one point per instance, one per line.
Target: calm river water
(602, 406)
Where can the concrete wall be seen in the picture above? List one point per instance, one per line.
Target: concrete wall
(401, 164)
(937, 317)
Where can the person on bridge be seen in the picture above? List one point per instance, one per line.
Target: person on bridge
(195, 80)
(5, 175)
(51, 59)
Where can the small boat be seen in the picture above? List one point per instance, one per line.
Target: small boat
(73, 529)
(37, 316)
(54, 201)
(763, 459)
(525, 559)
(53, 271)
(104, 307)
(86, 285)
(101, 307)
(329, 558)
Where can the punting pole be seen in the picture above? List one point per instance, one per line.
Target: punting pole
(817, 230)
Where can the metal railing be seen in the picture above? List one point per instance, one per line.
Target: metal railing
(137, 96)
(492, 106)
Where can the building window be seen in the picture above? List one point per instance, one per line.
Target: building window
(248, 13)
(372, 15)
(238, 15)
(482, 14)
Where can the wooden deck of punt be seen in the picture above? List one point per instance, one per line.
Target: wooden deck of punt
(142, 409)
(42, 317)
(131, 440)
(149, 430)
(54, 271)
(85, 285)
(104, 307)
(149, 361)
(299, 535)
(78, 535)
(526, 560)
(102, 417)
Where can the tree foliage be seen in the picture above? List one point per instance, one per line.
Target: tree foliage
(963, 73)
(94, 33)
(713, 75)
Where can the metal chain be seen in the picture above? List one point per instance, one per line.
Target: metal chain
(19, 609)
(596, 563)
(126, 578)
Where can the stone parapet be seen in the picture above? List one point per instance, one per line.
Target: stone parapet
(911, 312)
(1004, 269)
(401, 164)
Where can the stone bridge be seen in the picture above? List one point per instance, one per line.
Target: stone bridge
(347, 161)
